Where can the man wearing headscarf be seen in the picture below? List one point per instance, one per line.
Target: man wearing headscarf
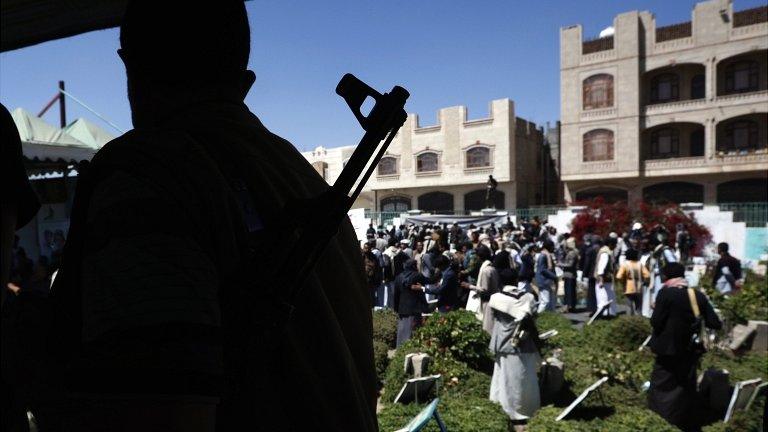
(410, 301)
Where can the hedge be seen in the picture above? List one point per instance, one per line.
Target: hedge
(380, 358)
(749, 303)
(385, 327)
(465, 414)
(590, 419)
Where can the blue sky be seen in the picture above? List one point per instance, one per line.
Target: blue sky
(444, 52)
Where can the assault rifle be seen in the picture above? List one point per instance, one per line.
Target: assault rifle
(309, 232)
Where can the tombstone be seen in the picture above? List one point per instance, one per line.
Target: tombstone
(581, 398)
(645, 343)
(417, 389)
(740, 335)
(416, 364)
(760, 390)
(715, 389)
(742, 394)
(422, 419)
(552, 378)
(600, 311)
(548, 334)
(760, 342)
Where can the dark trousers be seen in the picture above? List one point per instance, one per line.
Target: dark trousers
(570, 293)
(635, 302)
(406, 324)
(591, 296)
(673, 394)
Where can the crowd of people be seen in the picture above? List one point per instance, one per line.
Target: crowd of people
(508, 274)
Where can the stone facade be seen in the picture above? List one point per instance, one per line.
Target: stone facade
(686, 110)
(445, 167)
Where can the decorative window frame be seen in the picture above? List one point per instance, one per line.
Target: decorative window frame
(583, 77)
(491, 156)
(397, 166)
(593, 128)
(439, 170)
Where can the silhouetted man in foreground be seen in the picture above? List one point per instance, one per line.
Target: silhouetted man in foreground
(177, 206)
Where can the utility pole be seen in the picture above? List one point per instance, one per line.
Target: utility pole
(62, 106)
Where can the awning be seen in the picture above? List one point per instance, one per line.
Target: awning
(29, 22)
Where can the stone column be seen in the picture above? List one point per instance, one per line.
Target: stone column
(711, 79)
(710, 138)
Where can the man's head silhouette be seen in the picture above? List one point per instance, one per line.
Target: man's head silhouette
(177, 52)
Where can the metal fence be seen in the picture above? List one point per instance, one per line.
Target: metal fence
(754, 214)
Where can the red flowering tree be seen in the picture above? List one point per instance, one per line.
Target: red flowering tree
(601, 218)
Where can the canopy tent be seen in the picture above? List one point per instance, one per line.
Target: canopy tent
(28, 22)
(46, 147)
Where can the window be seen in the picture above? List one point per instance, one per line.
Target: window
(664, 88)
(740, 135)
(387, 166)
(396, 204)
(665, 143)
(598, 91)
(742, 77)
(598, 145)
(698, 90)
(478, 157)
(426, 162)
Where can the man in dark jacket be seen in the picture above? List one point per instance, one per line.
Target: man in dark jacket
(590, 261)
(673, 381)
(410, 301)
(727, 275)
(170, 334)
(447, 291)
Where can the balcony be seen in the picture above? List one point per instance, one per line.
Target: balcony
(674, 88)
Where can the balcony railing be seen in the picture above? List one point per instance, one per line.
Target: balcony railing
(674, 31)
(750, 16)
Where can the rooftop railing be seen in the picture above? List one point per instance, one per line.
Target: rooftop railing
(595, 45)
(674, 31)
(750, 16)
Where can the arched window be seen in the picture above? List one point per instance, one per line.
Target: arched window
(665, 88)
(740, 135)
(674, 192)
(395, 204)
(598, 91)
(608, 194)
(598, 145)
(665, 143)
(427, 162)
(698, 88)
(742, 76)
(478, 157)
(436, 202)
(387, 166)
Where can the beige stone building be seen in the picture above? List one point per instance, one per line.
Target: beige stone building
(445, 167)
(674, 113)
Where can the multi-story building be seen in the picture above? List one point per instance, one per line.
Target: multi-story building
(445, 167)
(675, 113)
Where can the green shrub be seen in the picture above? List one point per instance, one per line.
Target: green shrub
(741, 421)
(466, 414)
(476, 384)
(588, 419)
(567, 336)
(441, 363)
(625, 333)
(380, 358)
(749, 303)
(740, 368)
(385, 327)
(457, 333)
